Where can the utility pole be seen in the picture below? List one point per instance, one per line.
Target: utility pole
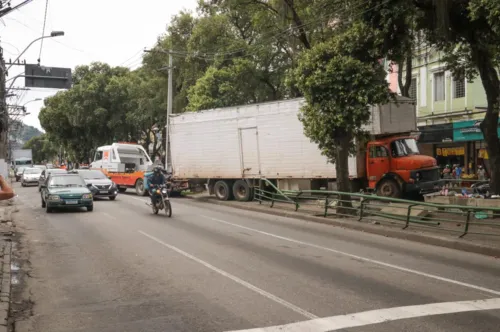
(168, 156)
(4, 115)
(170, 68)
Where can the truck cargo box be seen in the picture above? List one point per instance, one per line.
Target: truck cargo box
(260, 140)
(392, 118)
(265, 140)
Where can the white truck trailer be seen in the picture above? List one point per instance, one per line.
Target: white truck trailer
(22, 157)
(230, 149)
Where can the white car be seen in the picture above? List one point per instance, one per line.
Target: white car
(30, 176)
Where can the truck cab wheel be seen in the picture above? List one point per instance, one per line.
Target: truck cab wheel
(389, 188)
(242, 191)
(139, 188)
(222, 191)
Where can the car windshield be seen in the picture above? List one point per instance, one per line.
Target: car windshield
(92, 175)
(32, 171)
(404, 147)
(66, 181)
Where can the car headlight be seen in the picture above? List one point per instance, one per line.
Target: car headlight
(54, 197)
(87, 196)
(113, 184)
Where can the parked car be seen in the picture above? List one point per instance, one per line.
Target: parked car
(99, 184)
(66, 191)
(30, 176)
(45, 174)
(19, 172)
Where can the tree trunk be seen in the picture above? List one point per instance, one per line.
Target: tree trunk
(489, 126)
(344, 206)
(404, 87)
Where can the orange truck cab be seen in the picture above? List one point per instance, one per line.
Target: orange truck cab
(395, 166)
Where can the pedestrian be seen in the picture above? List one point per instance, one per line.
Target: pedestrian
(447, 172)
(6, 191)
(458, 174)
(481, 174)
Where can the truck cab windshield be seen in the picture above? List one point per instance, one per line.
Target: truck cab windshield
(404, 147)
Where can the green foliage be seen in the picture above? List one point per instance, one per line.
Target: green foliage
(98, 109)
(42, 148)
(467, 32)
(338, 88)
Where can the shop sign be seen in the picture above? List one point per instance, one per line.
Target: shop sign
(445, 152)
(436, 133)
(469, 131)
(483, 154)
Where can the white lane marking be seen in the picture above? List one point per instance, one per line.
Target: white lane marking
(371, 317)
(108, 215)
(136, 198)
(234, 278)
(369, 260)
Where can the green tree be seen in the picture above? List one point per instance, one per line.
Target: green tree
(42, 148)
(339, 80)
(87, 115)
(467, 32)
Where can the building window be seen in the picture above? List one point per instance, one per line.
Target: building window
(439, 86)
(413, 89)
(458, 87)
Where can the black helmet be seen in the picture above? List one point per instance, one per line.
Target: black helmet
(157, 169)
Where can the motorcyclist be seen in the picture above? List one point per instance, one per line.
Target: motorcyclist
(157, 179)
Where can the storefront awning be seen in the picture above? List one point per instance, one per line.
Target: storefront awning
(436, 133)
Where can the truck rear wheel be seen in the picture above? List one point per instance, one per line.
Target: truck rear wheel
(242, 191)
(389, 188)
(222, 191)
(139, 188)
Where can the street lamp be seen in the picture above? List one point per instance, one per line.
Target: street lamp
(52, 34)
(36, 99)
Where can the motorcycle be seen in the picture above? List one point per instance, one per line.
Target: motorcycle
(161, 200)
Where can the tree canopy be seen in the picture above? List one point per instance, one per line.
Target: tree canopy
(238, 52)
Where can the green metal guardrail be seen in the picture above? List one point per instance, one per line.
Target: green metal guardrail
(439, 217)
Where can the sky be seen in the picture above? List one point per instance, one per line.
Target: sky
(111, 31)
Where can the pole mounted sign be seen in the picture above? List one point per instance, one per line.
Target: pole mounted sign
(36, 76)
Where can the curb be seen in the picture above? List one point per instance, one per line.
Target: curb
(5, 289)
(367, 228)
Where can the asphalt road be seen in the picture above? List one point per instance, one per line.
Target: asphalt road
(213, 268)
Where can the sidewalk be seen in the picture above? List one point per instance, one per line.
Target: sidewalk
(7, 208)
(481, 244)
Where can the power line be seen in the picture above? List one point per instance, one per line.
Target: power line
(132, 57)
(52, 39)
(43, 30)
(252, 50)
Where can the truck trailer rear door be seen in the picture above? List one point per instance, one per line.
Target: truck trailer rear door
(249, 152)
